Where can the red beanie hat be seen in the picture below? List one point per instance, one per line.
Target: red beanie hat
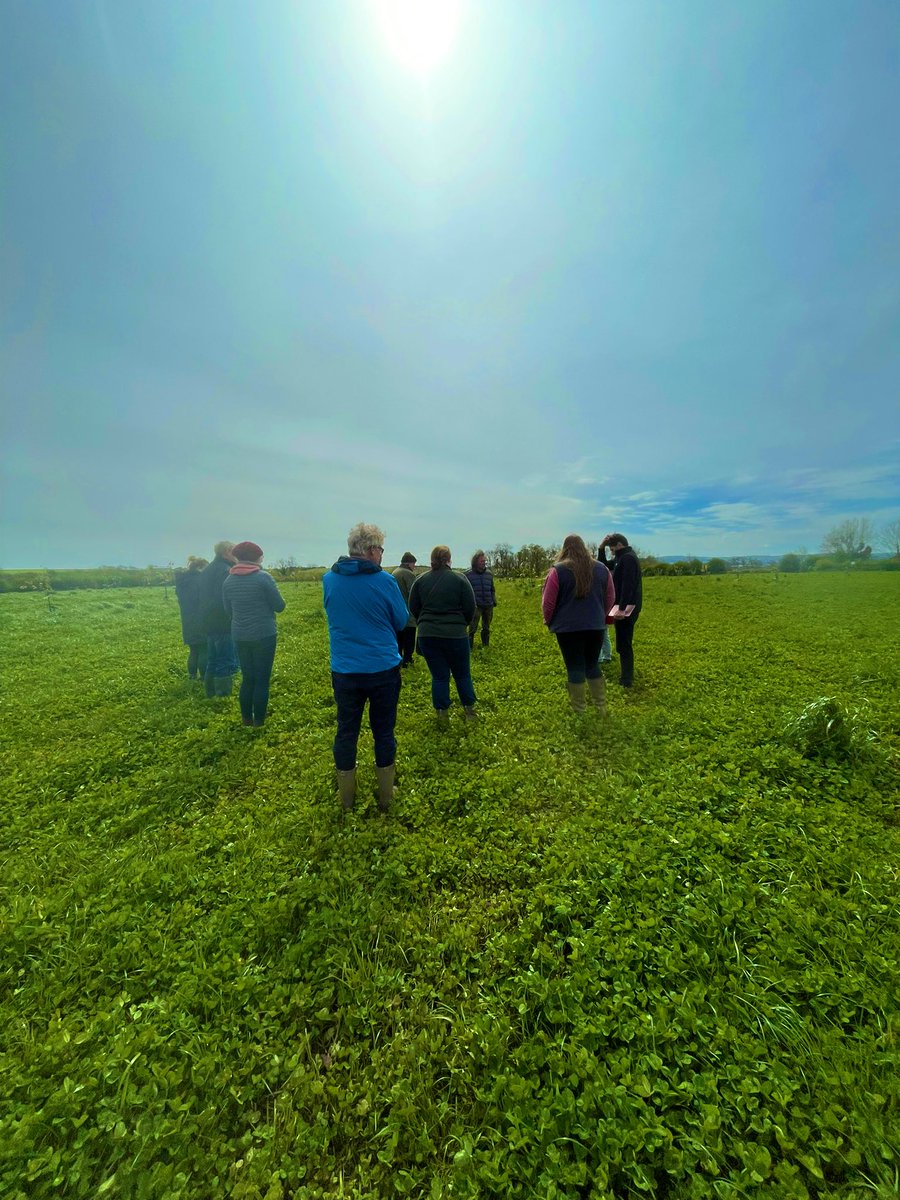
(247, 551)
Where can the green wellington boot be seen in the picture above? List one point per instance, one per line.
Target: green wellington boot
(385, 777)
(347, 788)
(577, 697)
(597, 688)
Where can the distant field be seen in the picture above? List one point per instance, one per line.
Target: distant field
(655, 956)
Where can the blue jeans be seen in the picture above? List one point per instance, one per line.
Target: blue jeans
(221, 659)
(256, 660)
(351, 691)
(446, 657)
(606, 648)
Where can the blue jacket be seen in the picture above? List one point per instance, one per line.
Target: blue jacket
(483, 586)
(366, 611)
(251, 602)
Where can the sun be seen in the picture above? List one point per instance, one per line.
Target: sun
(419, 33)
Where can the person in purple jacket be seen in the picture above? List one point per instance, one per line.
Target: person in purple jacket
(578, 594)
(251, 599)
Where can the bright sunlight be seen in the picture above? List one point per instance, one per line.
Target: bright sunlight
(420, 33)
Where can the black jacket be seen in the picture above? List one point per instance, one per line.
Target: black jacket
(626, 573)
(187, 589)
(213, 616)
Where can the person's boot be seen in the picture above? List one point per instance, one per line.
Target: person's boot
(385, 777)
(223, 685)
(209, 685)
(597, 688)
(576, 697)
(443, 716)
(469, 710)
(347, 788)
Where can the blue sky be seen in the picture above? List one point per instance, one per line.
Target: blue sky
(628, 266)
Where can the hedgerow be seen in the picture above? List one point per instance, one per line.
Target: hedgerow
(651, 956)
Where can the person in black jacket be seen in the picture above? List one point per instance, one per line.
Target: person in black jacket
(626, 573)
(443, 604)
(221, 663)
(187, 592)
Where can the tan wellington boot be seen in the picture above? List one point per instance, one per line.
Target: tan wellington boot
(385, 777)
(347, 788)
(597, 688)
(576, 697)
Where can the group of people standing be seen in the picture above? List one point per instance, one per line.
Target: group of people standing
(228, 609)
(377, 622)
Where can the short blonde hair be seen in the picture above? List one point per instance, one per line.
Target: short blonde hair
(222, 548)
(195, 563)
(440, 557)
(362, 538)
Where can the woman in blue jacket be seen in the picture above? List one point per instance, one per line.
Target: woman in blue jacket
(251, 599)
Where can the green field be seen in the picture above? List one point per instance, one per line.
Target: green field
(652, 956)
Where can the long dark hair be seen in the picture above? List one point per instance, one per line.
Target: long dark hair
(574, 555)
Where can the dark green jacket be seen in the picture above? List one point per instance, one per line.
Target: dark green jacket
(443, 604)
(405, 579)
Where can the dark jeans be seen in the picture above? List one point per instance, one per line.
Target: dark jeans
(486, 615)
(446, 657)
(221, 659)
(196, 659)
(351, 691)
(406, 644)
(581, 653)
(624, 638)
(256, 659)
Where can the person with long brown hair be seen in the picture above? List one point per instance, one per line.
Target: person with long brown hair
(578, 594)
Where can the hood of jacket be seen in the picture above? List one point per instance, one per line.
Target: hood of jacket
(354, 566)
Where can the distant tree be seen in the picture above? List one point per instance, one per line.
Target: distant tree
(849, 539)
(694, 567)
(285, 567)
(531, 560)
(789, 563)
(717, 566)
(889, 537)
(502, 559)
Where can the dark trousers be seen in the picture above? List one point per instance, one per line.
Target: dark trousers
(406, 644)
(485, 614)
(351, 691)
(581, 653)
(256, 659)
(196, 659)
(624, 638)
(446, 657)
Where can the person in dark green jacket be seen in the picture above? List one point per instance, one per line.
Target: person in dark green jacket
(443, 604)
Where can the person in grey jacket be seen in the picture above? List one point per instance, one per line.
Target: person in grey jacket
(405, 575)
(251, 599)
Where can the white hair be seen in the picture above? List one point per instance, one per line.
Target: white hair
(222, 548)
(362, 538)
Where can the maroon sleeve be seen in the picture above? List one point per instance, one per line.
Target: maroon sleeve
(610, 594)
(549, 596)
